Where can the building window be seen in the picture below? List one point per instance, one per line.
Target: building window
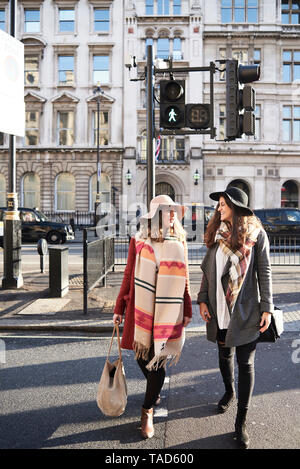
(179, 149)
(2, 20)
(149, 7)
(31, 190)
(257, 114)
(163, 48)
(149, 42)
(32, 21)
(66, 19)
(105, 192)
(222, 121)
(291, 65)
(101, 69)
(163, 7)
(242, 55)
(289, 198)
(32, 127)
(65, 128)
(239, 11)
(2, 191)
(176, 7)
(177, 54)
(101, 19)
(1, 138)
(31, 70)
(104, 127)
(290, 11)
(171, 150)
(65, 192)
(291, 123)
(66, 70)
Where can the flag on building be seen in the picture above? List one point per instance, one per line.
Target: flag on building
(157, 150)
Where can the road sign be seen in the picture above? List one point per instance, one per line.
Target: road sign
(12, 105)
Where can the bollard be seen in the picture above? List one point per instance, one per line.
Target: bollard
(42, 248)
(58, 271)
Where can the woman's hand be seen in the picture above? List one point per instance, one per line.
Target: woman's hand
(204, 313)
(265, 321)
(186, 321)
(117, 318)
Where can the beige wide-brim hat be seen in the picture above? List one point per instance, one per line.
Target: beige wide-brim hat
(164, 202)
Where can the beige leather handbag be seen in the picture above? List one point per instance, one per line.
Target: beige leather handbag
(112, 388)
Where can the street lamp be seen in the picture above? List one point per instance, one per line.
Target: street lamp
(98, 92)
(128, 177)
(196, 177)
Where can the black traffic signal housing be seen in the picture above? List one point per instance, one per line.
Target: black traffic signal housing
(240, 99)
(172, 104)
(197, 116)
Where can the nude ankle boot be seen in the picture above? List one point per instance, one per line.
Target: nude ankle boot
(147, 428)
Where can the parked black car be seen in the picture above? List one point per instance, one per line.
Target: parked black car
(196, 220)
(35, 225)
(284, 222)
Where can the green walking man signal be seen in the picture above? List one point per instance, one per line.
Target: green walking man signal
(172, 115)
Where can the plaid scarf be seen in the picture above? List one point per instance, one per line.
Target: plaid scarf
(240, 259)
(159, 302)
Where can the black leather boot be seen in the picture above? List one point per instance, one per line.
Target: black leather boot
(227, 400)
(241, 434)
(227, 372)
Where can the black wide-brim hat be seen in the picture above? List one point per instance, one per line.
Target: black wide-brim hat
(238, 197)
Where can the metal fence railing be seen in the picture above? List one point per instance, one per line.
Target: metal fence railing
(98, 258)
(78, 219)
(284, 250)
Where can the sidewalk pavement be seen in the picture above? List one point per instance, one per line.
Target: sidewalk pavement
(31, 308)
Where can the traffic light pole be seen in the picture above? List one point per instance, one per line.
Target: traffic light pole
(12, 225)
(150, 127)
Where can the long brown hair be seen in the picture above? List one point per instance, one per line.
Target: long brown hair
(152, 228)
(238, 228)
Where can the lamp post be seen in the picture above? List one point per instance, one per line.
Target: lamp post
(98, 91)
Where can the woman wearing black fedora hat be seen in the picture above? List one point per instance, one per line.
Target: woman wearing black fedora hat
(235, 296)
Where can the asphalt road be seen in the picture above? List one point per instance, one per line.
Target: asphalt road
(49, 384)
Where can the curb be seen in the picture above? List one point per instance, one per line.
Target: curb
(56, 326)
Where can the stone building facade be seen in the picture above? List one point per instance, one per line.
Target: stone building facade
(70, 45)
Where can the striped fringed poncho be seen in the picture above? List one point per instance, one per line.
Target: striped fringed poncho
(159, 301)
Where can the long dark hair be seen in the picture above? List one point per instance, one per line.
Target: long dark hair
(238, 228)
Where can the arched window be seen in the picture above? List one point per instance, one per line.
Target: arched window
(105, 192)
(2, 191)
(30, 187)
(65, 192)
(289, 194)
(164, 188)
(241, 185)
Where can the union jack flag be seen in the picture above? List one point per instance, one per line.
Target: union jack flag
(157, 150)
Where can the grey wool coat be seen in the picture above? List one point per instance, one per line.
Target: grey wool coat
(255, 296)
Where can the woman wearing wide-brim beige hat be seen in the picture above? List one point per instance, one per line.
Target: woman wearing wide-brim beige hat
(156, 295)
(164, 202)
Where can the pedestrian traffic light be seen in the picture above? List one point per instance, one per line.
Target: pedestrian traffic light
(172, 104)
(240, 99)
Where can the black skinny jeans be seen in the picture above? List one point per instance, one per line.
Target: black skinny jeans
(155, 380)
(245, 355)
